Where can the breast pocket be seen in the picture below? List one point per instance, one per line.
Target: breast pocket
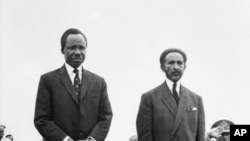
(192, 114)
(92, 99)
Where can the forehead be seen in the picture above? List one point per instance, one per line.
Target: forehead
(174, 56)
(75, 39)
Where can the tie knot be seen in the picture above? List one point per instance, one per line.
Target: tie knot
(76, 71)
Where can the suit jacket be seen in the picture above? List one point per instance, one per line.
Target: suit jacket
(161, 119)
(59, 112)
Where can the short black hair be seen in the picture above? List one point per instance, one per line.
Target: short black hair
(67, 33)
(170, 50)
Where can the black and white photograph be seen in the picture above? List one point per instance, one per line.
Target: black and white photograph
(127, 70)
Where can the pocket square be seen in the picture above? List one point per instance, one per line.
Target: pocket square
(194, 109)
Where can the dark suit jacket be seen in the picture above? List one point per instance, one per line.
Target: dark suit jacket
(59, 113)
(160, 119)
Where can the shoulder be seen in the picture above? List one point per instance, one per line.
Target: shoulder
(50, 77)
(154, 91)
(190, 93)
(51, 73)
(93, 76)
(153, 95)
(95, 79)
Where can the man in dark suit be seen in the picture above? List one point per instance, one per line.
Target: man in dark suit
(171, 112)
(72, 103)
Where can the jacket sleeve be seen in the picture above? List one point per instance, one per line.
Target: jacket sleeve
(201, 122)
(105, 115)
(144, 119)
(43, 119)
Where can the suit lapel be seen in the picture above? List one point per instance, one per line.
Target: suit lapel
(85, 83)
(181, 108)
(168, 99)
(67, 83)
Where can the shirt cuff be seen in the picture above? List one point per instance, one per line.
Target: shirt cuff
(91, 138)
(66, 138)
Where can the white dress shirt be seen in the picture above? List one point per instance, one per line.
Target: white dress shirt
(72, 74)
(170, 85)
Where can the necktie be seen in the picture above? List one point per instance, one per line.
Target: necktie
(77, 82)
(175, 94)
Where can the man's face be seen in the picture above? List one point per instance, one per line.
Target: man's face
(75, 50)
(174, 66)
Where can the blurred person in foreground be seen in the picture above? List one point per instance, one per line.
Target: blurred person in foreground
(2, 127)
(220, 131)
(72, 103)
(9, 137)
(171, 112)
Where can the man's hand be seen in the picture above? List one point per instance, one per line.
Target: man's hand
(215, 132)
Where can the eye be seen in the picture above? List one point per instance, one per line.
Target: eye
(74, 47)
(82, 47)
(179, 62)
(171, 62)
(71, 47)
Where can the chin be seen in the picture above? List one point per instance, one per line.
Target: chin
(175, 79)
(78, 63)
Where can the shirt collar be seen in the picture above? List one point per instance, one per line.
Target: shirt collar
(170, 85)
(71, 69)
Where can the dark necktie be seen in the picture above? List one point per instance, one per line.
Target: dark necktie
(77, 82)
(175, 94)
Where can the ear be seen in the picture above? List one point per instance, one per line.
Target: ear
(185, 66)
(162, 68)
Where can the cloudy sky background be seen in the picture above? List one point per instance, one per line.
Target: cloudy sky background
(125, 40)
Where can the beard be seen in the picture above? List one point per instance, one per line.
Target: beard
(174, 76)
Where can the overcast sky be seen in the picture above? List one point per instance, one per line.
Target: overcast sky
(125, 40)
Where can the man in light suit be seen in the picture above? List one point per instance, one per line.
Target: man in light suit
(171, 112)
(72, 103)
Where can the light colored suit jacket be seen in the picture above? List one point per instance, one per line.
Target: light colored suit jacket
(59, 113)
(161, 119)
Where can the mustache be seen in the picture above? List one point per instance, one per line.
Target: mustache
(77, 56)
(176, 72)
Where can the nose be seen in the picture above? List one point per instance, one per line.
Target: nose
(77, 51)
(176, 66)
